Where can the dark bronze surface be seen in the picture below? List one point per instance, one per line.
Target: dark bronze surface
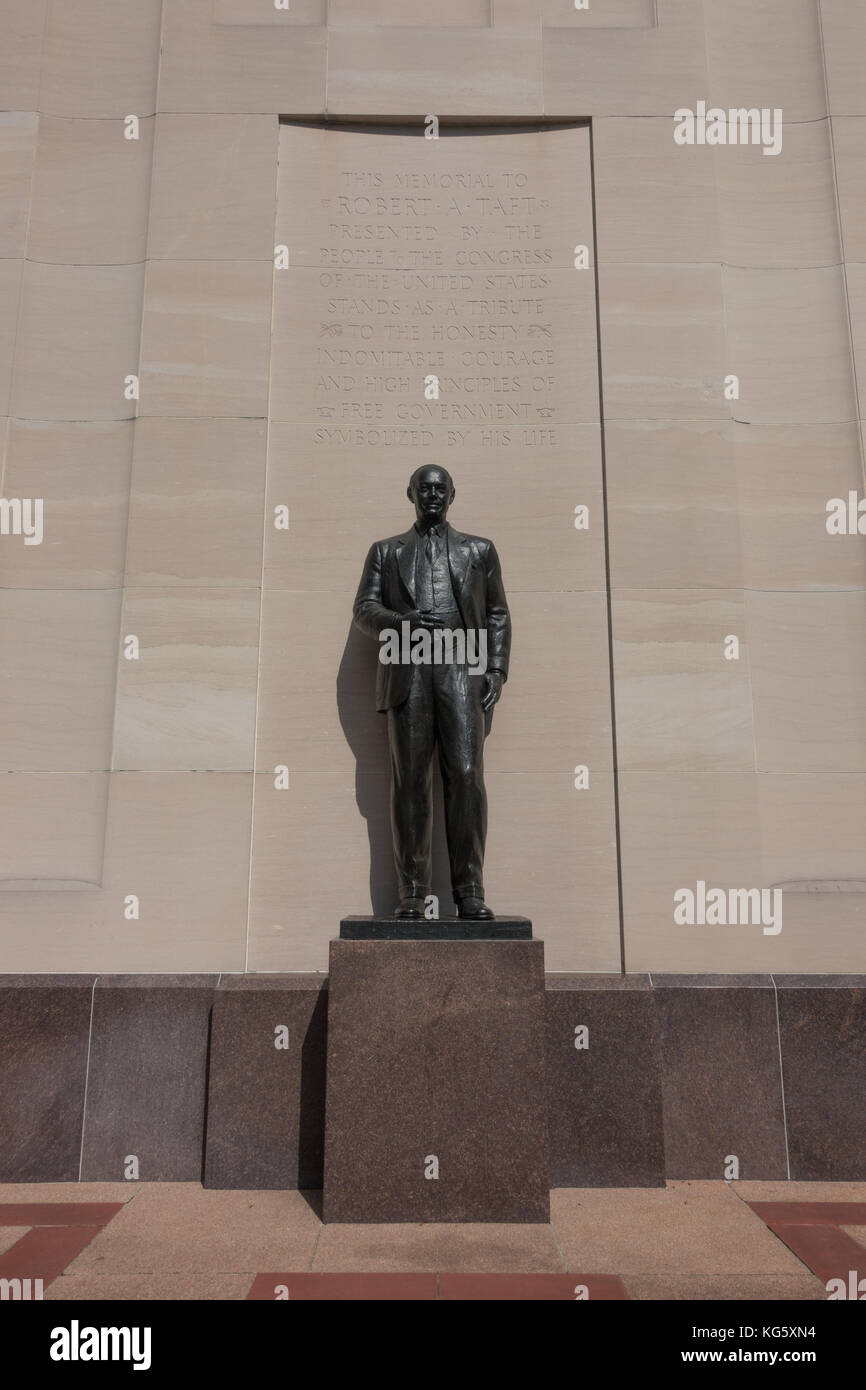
(435, 577)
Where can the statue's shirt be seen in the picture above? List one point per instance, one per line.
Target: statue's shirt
(435, 592)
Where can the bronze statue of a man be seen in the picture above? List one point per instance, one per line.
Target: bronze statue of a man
(434, 599)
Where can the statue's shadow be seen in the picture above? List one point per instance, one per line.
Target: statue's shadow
(367, 735)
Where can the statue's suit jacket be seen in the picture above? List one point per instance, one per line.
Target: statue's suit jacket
(387, 592)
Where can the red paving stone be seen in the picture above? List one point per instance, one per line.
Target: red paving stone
(45, 1251)
(447, 1287)
(366, 1287)
(811, 1213)
(527, 1287)
(59, 1231)
(828, 1252)
(811, 1231)
(59, 1213)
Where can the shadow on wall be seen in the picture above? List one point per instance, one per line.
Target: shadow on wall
(366, 733)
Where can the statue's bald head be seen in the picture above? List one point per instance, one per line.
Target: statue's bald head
(431, 489)
(431, 468)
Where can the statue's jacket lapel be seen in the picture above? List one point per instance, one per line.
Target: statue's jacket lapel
(464, 562)
(406, 554)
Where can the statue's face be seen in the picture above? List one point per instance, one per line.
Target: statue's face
(432, 492)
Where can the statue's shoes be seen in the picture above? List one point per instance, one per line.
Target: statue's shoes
(411, 908)
(474, 910)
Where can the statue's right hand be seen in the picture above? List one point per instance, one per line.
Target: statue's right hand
(419, 618)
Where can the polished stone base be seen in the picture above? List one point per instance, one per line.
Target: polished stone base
(435, 1101)
(439, 929)
(266, 1097)
(647, 1077)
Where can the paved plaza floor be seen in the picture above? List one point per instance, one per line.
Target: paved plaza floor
(688, 1240)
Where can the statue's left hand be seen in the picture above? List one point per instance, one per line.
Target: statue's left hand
(492, 690)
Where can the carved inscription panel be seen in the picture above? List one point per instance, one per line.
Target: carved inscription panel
(449, 258)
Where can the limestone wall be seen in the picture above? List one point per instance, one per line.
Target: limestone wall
(148, 773)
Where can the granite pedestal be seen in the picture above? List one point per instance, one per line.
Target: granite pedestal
(441, 929)
(435, 1093)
